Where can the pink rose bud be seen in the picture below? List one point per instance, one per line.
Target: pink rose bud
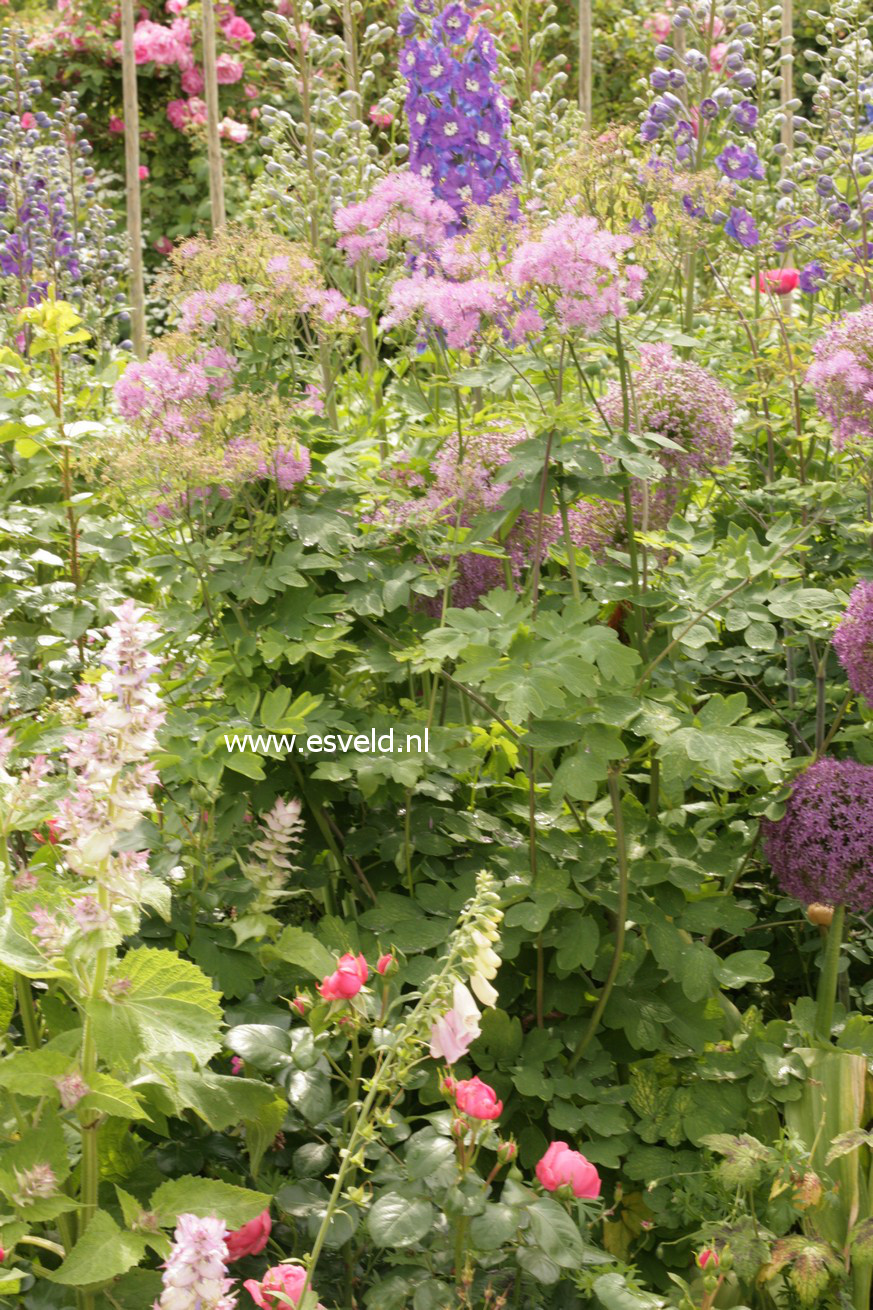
(299, 1004)
(116, 126)
(349, 977)
(236, 1064)
(2, 1254)
(288, 1280)
(563, 1167)
(780, 281)
(250, 1239)
(506, 1151)
(707, 1256)
(447, 1085)
(143, 172)
(383, 964)
(477, 1099)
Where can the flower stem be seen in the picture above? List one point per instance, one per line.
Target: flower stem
(827, 987)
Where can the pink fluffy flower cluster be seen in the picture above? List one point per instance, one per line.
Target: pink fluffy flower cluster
(228, 304)
(171, 396)
(569, 271)
(842, 375)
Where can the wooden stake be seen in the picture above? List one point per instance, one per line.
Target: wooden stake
(213, 140)
(131, 179)
(585, 60)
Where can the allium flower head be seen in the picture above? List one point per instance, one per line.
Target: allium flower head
(822, 848)
(842, 375)
(195, 1274)
(853, 640)
(685, 403)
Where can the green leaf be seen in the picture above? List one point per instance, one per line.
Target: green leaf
(109, 1096)
(101, 1253)
(207, 1197)
(222, 1100)
(247, 763)
(261, 1132)
(613, 1293)
(299, 947)
(161, 1005)
(556, 1234)
(744, 967)
(263, 1045)
(398, 1221)
(493, 1228)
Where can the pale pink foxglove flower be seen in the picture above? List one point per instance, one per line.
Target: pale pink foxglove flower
(453, 1034)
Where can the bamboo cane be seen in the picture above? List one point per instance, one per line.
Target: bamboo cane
(213, 141)
(787, 74)
(131, 179)
(585, 60)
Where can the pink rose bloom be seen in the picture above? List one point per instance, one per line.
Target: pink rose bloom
(384, 963)
(290, 1279)
(237, 29)
(143, 172)
(192, 81)
(477, 1099)
(236, 1064)
(228, 70)
(178, 113)
(349, 977)
(717, 56)
(781, 281)
(381, 117)
(176, 6)
(234, 131)
(28, 121)
(116, 126)
(197, 110)
(659, 25)
(250, 90)
(163, 245)
(250, 1239)
(563, 1167)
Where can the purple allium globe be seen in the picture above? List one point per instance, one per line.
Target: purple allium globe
(685, 403)
(853, 640)
(822, 848)
(842, 375)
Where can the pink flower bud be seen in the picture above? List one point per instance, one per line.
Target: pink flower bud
(383, 964)
(506, 1152)
(143, 172)
(299, 1004)
(708, 1256)
(287, 1280)
(349, 977)
(116, 126)
(477, 1099)
(251, 1238)
(236, 1064)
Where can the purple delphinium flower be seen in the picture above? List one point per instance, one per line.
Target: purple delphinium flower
(458, 115)
(853, 640)
(822, 849)
(812, 278)
(745, 116)
(741, 226)
(740, 165)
